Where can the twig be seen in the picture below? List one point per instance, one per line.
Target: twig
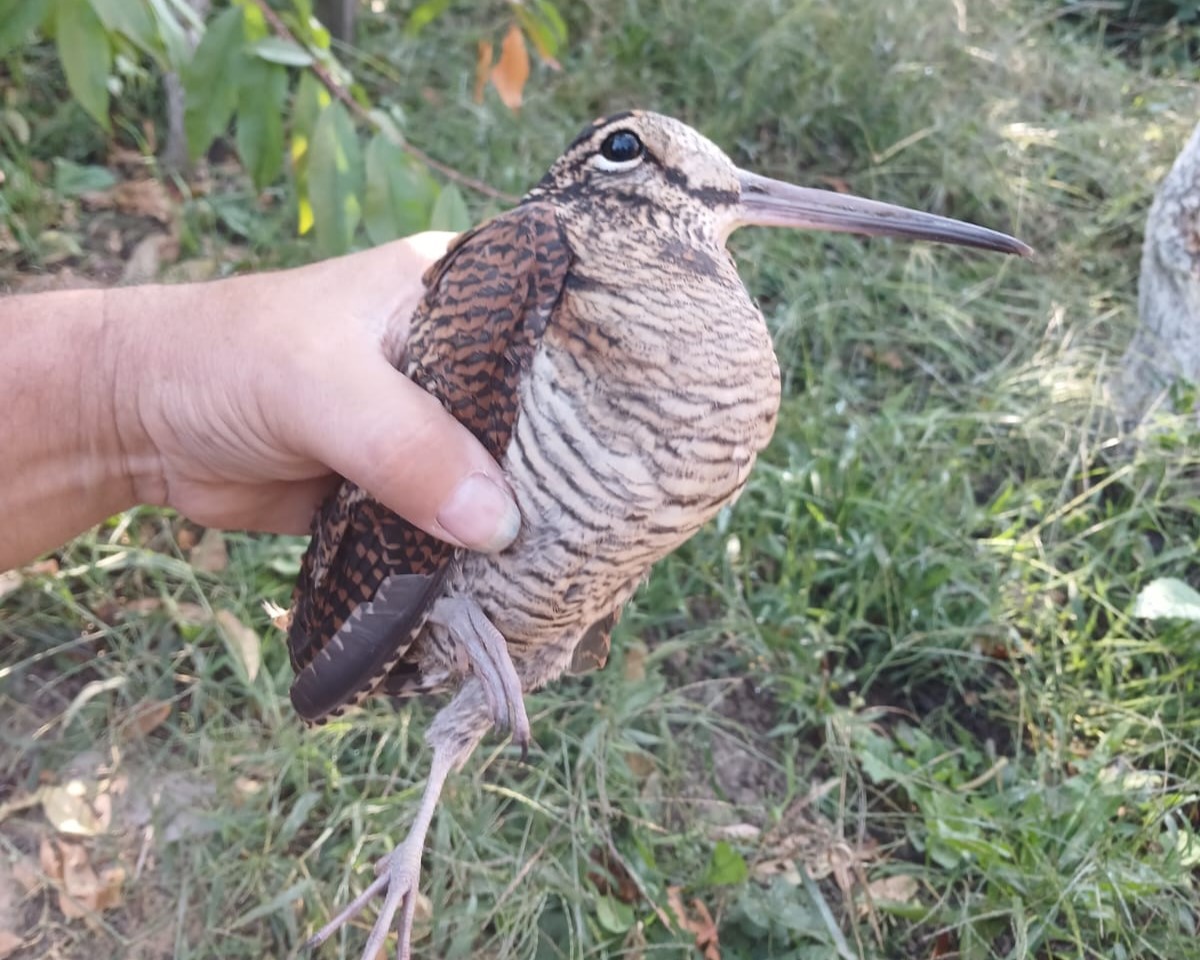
(340, 92)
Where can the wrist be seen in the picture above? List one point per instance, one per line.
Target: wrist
(129, 364)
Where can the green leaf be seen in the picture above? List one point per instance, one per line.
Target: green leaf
(450, 211)
(278, 50)
(1167, 597)
(550, 13)
(613, 915)
(86, 56)
(171, 34)
(311, 99)
(254, 24)
(17, 20)
(400, 193)
(261, 93)
(72, 179)
(727, 866)
(424, 14)
(335, 180)
(211, 81)
(131, 18)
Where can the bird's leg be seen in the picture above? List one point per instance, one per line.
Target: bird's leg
(487, 651)
(454, 734)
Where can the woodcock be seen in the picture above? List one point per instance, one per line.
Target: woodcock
(598, 340)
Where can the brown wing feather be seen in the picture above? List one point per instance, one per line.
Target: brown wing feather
(369, 577)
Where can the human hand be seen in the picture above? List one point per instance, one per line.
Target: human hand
(240, 402)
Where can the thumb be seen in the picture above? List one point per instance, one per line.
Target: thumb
(382, 431)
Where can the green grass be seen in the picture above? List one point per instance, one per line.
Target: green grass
(906, 652)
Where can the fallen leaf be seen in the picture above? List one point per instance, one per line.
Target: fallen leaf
(147, 258)
(210, 555)
(191, 613)
(634, 669)
(512, 69)
(281, 619)
(745, 832)
(50, 860)
(898, 888)
(143, 198)
(26, 873)
(640, 765)
(483, 67)
(611, 878)
(885, 358)
(9, 943)
(67, 808)
(146, 716)
(703, 928)
(196, 270)
(112, 880)
(243, 640)
(80, 882)
(10, 581)
(143, 605)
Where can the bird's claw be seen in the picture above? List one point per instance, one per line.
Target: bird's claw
(398, 874)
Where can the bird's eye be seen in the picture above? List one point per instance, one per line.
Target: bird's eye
(620, 150)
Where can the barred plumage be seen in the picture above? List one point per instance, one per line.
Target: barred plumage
(598, 340)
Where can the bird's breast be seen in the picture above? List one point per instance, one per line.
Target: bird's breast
(640, 417)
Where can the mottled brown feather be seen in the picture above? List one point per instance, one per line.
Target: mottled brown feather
(488, 302)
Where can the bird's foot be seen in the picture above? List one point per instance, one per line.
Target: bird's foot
(487, 652)
(397, 875)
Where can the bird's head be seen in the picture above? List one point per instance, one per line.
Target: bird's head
(645, 165)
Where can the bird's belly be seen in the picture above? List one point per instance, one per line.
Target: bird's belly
(604, 494)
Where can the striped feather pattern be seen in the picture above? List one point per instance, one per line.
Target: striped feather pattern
(623, 378)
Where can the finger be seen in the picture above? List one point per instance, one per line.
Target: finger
(285, 506)
(379, 429)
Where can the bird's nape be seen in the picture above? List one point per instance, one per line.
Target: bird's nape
(774, 203)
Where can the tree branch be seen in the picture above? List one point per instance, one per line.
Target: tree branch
(337, 90)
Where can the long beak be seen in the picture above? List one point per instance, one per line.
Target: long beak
(773, 203)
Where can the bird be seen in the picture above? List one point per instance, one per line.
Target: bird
(598, 340)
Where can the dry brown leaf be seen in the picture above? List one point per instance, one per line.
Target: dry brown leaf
(885, 358)
(899, 888)
(281, 619)
(148, 257)
(612, 878)
(210, 555)
(9, 943)
(26, 873)
(640, 765)
(703, 928)
(143, 198)
(635, 662)
(67, 807)
(50, 860)
(512, 69)
(483, 67)
(10, 580)
(191, 613)
(741, 832)
(112, 880)
(80, 882)
(243, 640)
(146, 716)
